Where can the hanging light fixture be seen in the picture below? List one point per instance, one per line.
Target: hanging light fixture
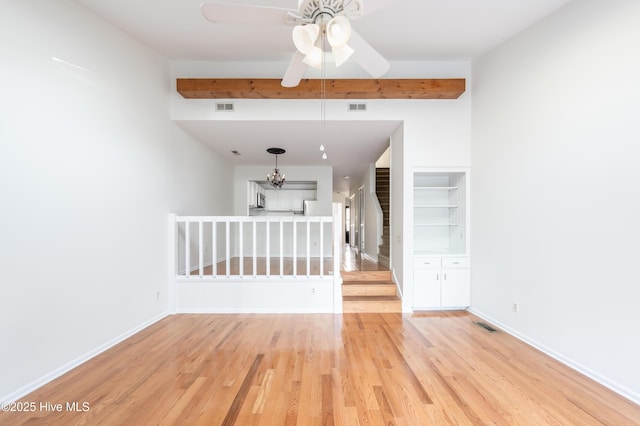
(326, 19)
(338, 35)
(276, 179)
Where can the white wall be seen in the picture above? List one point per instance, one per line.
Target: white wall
(90, 168)
(396, 218)
(339, 198)
(555, 188)
(385, 159)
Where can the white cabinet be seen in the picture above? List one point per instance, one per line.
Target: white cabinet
(426, 283)
(289, 200)
(253, 189)
(441, 282)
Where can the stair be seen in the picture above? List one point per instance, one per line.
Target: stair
(369, 291)
(382, 192)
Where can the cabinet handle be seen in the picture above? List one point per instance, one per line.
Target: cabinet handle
(456, 263)
(437, 277)
(445, 276)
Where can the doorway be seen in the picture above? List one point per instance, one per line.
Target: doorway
(347, 223)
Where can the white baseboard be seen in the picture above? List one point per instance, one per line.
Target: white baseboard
(27, 389)
(604, 381)
(394, 277)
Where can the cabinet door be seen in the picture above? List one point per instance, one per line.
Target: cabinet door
(426, 288)
(455, 289)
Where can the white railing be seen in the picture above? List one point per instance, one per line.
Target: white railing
(245, 247)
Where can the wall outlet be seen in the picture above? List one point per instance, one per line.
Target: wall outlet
(157, 295)
(515, 306)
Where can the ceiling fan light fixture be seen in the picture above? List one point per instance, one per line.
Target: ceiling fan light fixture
(314, 58)
(305, 37)
(338, 31)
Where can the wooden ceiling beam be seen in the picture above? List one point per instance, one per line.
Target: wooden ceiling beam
(270, 88)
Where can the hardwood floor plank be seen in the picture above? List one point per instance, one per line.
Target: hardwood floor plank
(293, 405)
(383, 403)
(327, 400)
(234, 410)
(400, 362)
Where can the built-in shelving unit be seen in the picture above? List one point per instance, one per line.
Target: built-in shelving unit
(441, 265)
(439, 212)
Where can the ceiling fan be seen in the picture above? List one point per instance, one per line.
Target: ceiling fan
(314, 22)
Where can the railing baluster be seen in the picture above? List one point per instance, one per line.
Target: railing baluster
(336, 231)
(267, 225)
(321, 256)
(214, 246)
(228, 248)
(241, 248)
(200, 249)
(187, 249)
(295, 247)
(308, 248)
(255, 259)
(281, 248)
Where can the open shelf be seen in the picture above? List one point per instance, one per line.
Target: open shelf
(437, 188)
(439, 212)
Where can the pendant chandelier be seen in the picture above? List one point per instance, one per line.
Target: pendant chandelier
(276, 179)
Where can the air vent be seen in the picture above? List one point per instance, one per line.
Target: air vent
(221, 107)
(357, 107)
(485, 326)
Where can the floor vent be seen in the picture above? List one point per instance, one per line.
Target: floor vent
(357, 107)
(485, 326)
(222, 107)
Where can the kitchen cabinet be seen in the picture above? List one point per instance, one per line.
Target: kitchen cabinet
(441, 282)
(253, 189)
(291, 200)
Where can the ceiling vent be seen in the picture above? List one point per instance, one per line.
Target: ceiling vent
(357, 107)
(224, 107)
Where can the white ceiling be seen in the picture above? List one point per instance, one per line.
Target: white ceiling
(350, 145)
(401, 30)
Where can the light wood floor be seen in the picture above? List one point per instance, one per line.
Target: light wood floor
(322, 369)
(351, 260)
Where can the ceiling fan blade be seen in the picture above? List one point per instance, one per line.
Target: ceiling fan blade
(295, 71)
(243, 14)
(367, 57)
